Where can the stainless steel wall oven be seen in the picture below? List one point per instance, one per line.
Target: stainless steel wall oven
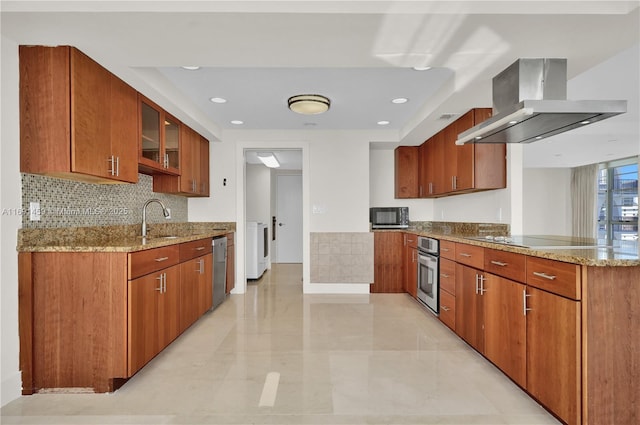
(429, 272)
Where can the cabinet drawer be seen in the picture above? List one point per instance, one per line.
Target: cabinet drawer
(448, 275)
(448, 309)
(470, 255)
(193, 249)
(554, 276)
(150, 260)
(411, 240)
(448, 249)
(505, 264)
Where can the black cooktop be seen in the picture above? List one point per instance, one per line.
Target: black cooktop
(543, 241)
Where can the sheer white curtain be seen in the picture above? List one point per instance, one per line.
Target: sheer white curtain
(584, 197)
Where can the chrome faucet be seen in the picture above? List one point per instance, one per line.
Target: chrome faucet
(165, 212)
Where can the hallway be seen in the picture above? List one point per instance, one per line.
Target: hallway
(329, 359)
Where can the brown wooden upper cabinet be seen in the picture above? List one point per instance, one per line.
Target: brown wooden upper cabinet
(407, 171)
(194, 167)
(77, 120)
(159, 141)
(448, 169)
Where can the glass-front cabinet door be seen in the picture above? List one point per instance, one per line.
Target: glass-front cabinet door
(159, 140)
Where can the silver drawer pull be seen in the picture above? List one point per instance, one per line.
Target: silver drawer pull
(444, 249)
(445, 308)
(544, 275)
(444, 275)
(200, 248)
(498, 263)
(462, 254)
(161, 259)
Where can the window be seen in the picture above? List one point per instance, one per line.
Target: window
(618, 203)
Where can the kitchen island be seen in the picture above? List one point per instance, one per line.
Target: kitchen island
(562, 323)
(96, 304)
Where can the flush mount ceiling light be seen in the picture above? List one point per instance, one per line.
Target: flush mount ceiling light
(309, 104)
(191, 68)
(218, 100)
(268, 159)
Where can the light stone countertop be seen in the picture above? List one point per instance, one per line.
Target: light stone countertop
(599, 257)
(116, 238)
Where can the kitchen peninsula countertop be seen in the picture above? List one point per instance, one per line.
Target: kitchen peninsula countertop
(599, 257)
(125, 238)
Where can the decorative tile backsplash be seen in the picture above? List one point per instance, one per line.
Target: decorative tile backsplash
(342, 257)
(68, 203)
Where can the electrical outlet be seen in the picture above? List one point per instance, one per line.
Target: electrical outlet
(34, 211)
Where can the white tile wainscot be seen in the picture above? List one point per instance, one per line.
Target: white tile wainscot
(342, 257)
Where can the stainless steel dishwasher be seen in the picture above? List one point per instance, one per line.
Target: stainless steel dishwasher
(219, 270)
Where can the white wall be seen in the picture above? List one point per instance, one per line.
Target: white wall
(382, 187)
(10, 197)
(221, 204)
(258, 193)
(547, 204)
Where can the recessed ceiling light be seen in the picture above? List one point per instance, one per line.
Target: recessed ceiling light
(237, 122)
(218, 100)
(191, 68)
(513, 122)
(383, 122)
(585, 122)
(421, 68)
(399, 100)
(478, 137)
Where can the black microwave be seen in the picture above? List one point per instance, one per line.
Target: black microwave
(389, 217)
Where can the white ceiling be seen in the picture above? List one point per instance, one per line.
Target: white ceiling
(359, 53)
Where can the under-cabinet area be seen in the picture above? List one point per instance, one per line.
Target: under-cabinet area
(90, 319)
(560, 324)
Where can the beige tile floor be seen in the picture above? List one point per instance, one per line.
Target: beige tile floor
(341, 359)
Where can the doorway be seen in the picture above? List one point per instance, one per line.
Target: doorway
(273, 197)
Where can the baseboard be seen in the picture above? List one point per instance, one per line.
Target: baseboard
(11, 388)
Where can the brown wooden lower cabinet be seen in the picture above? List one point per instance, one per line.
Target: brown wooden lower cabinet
(553, 353)
(469, 307)
(93, 319)
(388, 262)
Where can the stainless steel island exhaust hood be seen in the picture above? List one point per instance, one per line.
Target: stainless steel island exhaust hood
(530, 103)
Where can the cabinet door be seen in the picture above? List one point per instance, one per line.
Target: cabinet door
(450, 159)
(406, 171)
(553, 353)
(124, 130)
(505, 326)
(463, 179)
(150, 147)
(204, 167)
(169, 308)
(411, 270)
(90, 118)
(187, 177)
(190, 272)
(205, 284)
(469, 307)
(231, 269)
(171, 142)
(143, 296)
(388, 262)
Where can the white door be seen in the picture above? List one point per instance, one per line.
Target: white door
(288, 229)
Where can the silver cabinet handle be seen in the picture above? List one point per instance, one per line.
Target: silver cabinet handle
(482, 279)
(200, 268)
(166, 160)
(117, 165)
(445, 308)
(161, 259)
(498, 263)
(414, 255)
(454, 182)
(477, 286)
(160, 279)
(444, 249)
(200, 248)
(444, 275)
(112, 162)
(524, 302)
(430, 188)
(544, 275)
(165, 282)
(463, 254)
